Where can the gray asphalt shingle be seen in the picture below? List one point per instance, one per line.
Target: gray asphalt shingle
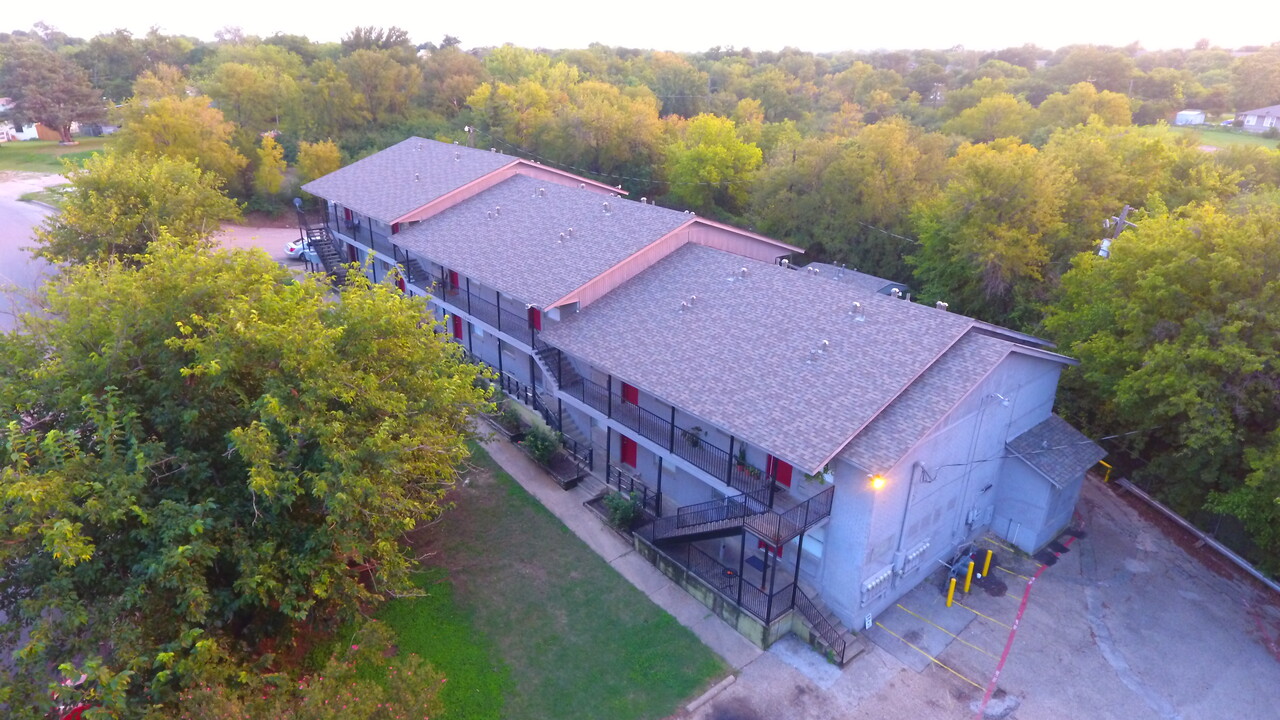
(747, 356)
(896, 430)
(1058, 450)
(383, 187)
(519, 250)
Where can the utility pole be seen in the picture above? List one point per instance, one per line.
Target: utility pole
(1117, 225)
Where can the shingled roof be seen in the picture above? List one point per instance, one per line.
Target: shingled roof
(749, 357)
(922, 405)
(509, 236)
(404, 177)
(1060, 452)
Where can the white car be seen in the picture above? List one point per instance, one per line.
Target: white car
(301, 250)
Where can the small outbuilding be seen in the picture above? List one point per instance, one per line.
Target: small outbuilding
(1189, 117)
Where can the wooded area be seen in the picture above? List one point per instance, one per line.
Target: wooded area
(979, 178)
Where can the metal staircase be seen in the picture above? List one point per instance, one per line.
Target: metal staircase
(560, 373)
(842, 645)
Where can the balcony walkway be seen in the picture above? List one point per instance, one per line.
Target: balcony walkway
(568, 506)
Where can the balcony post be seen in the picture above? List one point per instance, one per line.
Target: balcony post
(559, 368)
(560, 413)
(532, 374)
(469, 298)
(742, 558)
(728, 475)
(500, 372)
(608, 395)
(671, 440)
(658, 495)
(773, 581)
(799, 554)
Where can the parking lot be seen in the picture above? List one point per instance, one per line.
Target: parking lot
(1125, 624)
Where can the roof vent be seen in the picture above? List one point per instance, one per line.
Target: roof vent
(497, 210)
(857, 313)
(606, 208)
(417, 177)
(582, 186)
(941, 306)
(813, 357)
(812, 270)
(785, 263)
(569, 232)
(542, 192)
(644, 201)
(489, 214)
(840, 272)
(457, 156)
(825, 346)
(684, 305)
(493, 150)
(895, 292)
(561, 240)
(693, 299)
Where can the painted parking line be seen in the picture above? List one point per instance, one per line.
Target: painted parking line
(1024, 577)
(953, 635)
(985, 617)
(932, 659)
(1016, 553)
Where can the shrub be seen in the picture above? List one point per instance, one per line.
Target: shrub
(541, 444)
(624, 510)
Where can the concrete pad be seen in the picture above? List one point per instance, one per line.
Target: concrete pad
(635, 568)
(932, 628)
(809, 663)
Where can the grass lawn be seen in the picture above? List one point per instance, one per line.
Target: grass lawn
(1222, 138)
(528, 623)
(49, 196)
(46, 155)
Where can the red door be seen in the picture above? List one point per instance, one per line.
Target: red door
(535, 318)
(395, 228)
(628, 451)
(453, 281)
(630, 394)
(346, 214)
(778, 470)
(400, 283)
(352, 254)
(457, 327)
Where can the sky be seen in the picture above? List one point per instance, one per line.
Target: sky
(691, 25)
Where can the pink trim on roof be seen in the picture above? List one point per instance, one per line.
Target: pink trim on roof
(484, 182)
(696, 230)
(633, 265)
(542, 172)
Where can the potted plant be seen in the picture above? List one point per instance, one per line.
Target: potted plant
(693, 436)
(741, 460)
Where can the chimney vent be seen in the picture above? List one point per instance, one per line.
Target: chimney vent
(895, 292)
(942, 306)
(856, 311)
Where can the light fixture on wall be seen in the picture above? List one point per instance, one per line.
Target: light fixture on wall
(877, 481)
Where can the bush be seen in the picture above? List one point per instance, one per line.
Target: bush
(541, 444)
(624, 510)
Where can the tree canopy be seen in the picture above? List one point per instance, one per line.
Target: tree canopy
(47, 88)
(203, 457)
(118, 203)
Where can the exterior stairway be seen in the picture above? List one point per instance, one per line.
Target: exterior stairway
(841, 645)
(322, 242)
(715, 518)
(558, 374)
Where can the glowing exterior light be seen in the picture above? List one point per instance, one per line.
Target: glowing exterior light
(877, 482)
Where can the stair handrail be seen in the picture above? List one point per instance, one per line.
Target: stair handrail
(809, 611)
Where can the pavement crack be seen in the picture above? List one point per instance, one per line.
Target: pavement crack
(1106, 644)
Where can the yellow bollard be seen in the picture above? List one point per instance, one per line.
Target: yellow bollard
(986, 564)
(968, 577)
(1106, 479)
(951, 592)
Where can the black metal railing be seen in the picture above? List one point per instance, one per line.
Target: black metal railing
(647, 423)
(628, 484)
(490, 311)
(589, 393)
(361, 231)
(777, 528)
(828, 632)
(765, 605)
(582, 454)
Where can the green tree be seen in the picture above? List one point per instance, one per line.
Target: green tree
(119, 203)
(985, 237)
(1256, 80)
(1176, 333)
(204, 453)
(1081, 102)
(162, 81)
(317, 160)
(47, 88)
(257, 98)
(709, 167)
(385, 84)
(268, 177)
(182, 127)
(997, 116)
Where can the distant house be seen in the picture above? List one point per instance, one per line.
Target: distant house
(34, 131)
(1259, 120)
(806, 442)
(1189, 117)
